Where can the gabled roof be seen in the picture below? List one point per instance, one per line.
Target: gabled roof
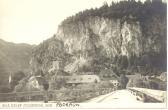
(82, 79)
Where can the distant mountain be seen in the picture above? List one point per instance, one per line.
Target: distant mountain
(13, 58)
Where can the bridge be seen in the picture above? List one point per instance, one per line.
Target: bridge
(133, 95)
(132, 98)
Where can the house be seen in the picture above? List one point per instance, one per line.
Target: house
(79, 79)
(36, 83)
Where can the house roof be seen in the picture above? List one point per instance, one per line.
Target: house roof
(133, 76)
(82, 79)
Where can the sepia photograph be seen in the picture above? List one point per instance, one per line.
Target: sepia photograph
(83, 54)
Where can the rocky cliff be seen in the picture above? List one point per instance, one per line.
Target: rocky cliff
(130, 42)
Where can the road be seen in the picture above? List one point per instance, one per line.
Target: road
(120, 96)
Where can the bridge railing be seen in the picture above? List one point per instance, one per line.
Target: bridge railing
(151, 94)
(74, 95)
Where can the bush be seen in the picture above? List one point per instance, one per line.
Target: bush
(21, 86)
(138, 82)
(158, 84)
(150, 84)
(57, 84)
(17, 76)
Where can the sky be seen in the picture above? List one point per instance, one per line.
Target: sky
(32, 21)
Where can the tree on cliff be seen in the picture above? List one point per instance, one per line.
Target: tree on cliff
(121, 9)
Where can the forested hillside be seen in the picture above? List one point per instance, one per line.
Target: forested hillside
(14, 58)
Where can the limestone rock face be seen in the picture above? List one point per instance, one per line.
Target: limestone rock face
(92, 43)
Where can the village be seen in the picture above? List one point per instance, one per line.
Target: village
(79, 87)
(106, 79)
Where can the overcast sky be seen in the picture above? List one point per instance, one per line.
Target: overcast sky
(32, 21)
